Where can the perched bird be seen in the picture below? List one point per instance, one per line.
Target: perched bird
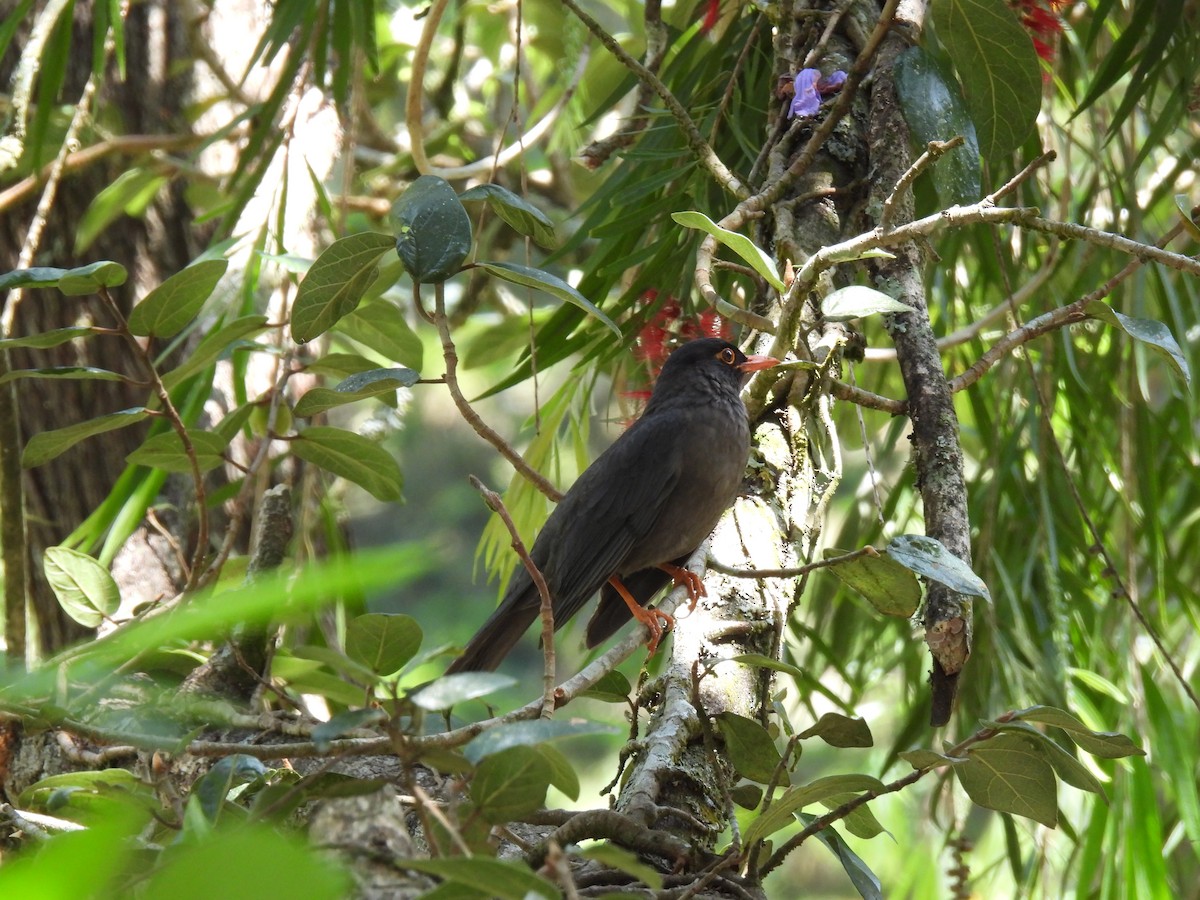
(635, 515)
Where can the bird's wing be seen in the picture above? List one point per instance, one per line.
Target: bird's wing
(611, 508)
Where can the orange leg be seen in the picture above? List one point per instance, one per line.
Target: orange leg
(690, 580)
(648, 617)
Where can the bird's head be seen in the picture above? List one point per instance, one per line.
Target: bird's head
(701, 364)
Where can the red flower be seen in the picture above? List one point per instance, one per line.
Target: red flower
(1042, 19)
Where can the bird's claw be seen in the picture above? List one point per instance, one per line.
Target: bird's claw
(688, 579)
(650, 618)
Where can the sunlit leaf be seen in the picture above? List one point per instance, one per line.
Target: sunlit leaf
(551, 284)
(336, 283)
(738, 243)
(1151, 332)
(857, 301)
(353, 457)
(84, 588)
(927, 556)
(166, 309)
(888, 585)
(383, 643)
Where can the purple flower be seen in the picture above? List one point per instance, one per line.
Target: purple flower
(806, 101)
(810, 86)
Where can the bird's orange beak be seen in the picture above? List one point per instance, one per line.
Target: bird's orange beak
(756, 363)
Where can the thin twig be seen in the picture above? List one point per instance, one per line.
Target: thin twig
(699, 146)
(934, 150)
(450, 354)
(496, 505)
(795, 572)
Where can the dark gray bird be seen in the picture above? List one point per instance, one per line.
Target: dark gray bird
(635, 515)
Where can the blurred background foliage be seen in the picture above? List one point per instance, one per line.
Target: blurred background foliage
(302, 136)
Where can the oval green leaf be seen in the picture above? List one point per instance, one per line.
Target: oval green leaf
(84, 588)
(460, 687)
(509, 784)
(381, 326)
(433, 231)
(994, 59)
(165, 310)
(1011, 773)
(336, 282)
(90, 278)
(353, 457)
(383, 642)
(889, 586)
(520, 734)
(214, 345)
(749, 747)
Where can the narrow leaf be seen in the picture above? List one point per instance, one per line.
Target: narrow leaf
(48, 338)
(738, 243)
(551, 284)
(1105, 744)
(71, 373)
(780, 814)
(47, 445)
(166, 309)
(214, 345)
(493, 877)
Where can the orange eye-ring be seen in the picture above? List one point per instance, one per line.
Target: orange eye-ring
(727, 356)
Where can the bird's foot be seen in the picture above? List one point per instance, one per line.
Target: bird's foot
(689, 579)
(655, 620)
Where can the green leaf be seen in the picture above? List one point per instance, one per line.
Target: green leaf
(749, 747)
(840, 731)
(214, 345)
(934, 109)
(615, 857)
(37, 277)
(522, 734)
(381, 326)
(887, 585)
(343, 723)
(340, 364)
(383, 643)
(450, 690)
(71, 373)
(994, 59)
(780, 813)
(1105, 744)
(353, 457)
(1011, 773)
(336, 282)
(864, 880)
(129, 194)
(494, 877)
(857, 301)
(562, 773)
(1149, 331)
(612, 688)
(48, 339)
(738, 243)
(927, 759)
(433, 231)
(360, 386)
(516, 211)
(90, 278)
(84, 588)
(509, 784)
(1183, 203)
(46, 445)
(758, 660)
(166, 309)
(165, 451)
(214, 786)
(252, 860)
(927, 556)
(551, 284)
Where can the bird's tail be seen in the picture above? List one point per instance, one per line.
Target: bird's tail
(500, 633)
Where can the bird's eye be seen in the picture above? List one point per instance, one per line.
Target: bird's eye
(727, 356)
